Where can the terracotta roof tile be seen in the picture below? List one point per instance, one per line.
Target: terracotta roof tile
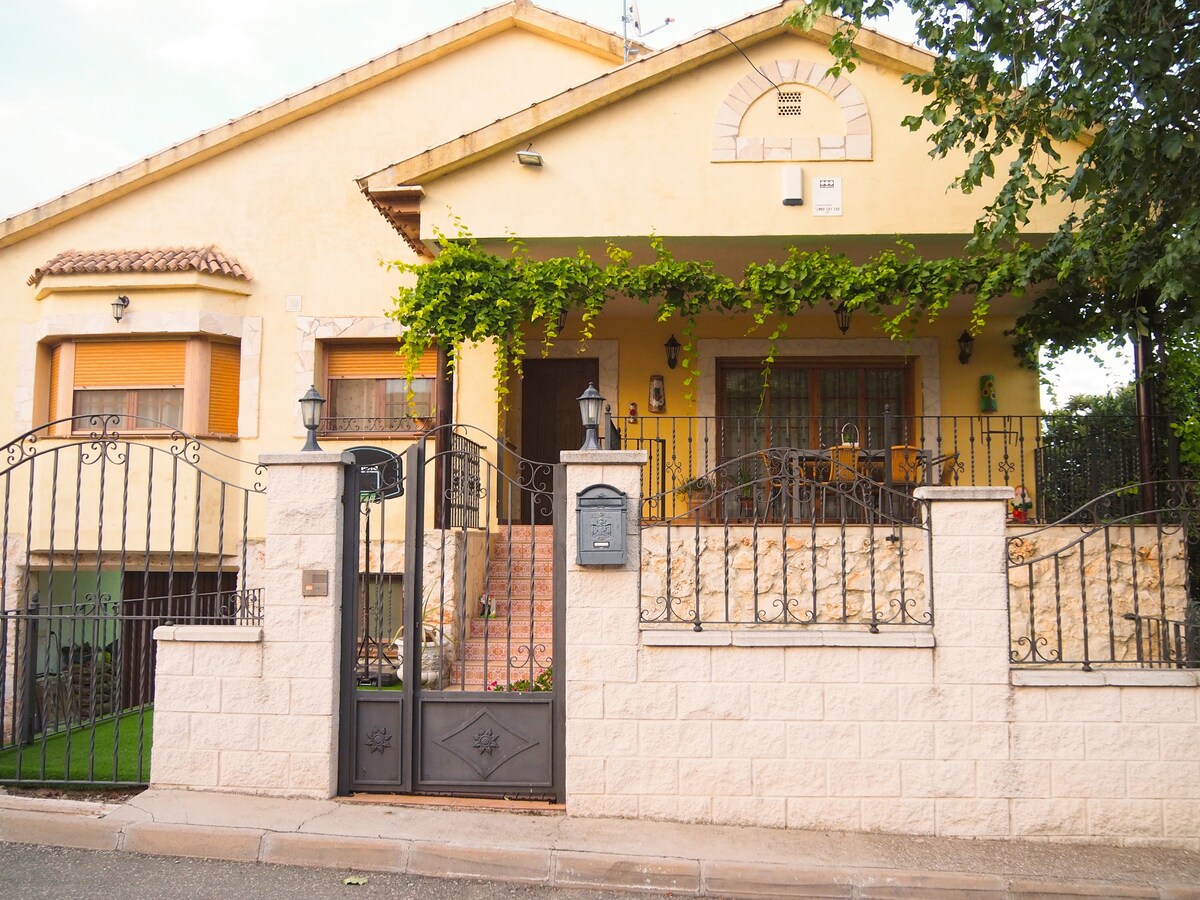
(169, 259)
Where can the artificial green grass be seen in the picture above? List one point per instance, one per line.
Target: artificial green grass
(107, 736)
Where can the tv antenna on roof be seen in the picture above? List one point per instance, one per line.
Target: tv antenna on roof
(631, 16)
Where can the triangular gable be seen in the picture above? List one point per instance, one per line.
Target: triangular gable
(515, 14)
(512, 131)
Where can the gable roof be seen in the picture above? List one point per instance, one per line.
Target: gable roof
(514, 14)
(170, 259)
(611, 87)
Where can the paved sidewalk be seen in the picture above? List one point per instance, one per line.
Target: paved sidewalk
(555, 849)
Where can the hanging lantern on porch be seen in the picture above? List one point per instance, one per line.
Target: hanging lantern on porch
(842, 314)
(966, 346)
(672, 347)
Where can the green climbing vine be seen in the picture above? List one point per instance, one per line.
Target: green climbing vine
(467, 294)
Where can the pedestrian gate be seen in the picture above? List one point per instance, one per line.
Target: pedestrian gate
(452, 646)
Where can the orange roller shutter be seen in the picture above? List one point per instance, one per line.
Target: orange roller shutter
(224, 376)
(129, 364)
(374, 361)
(55, 366)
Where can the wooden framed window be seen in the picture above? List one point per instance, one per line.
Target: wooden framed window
(188, 383)
(810, 403)
(368, 392)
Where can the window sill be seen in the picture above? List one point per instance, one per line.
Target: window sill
(1068, 677)
(794, 637)
(360, 435)
(210, 634)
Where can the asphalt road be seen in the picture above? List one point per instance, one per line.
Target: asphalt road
(28, 871)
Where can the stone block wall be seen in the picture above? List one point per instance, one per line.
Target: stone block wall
(254, 708)
(1065, 577)
(914, 731)
(827, 573)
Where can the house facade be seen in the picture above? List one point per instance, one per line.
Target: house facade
(466, 603)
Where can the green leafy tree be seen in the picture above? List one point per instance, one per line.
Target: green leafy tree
(1013, 84)
(1087, 448)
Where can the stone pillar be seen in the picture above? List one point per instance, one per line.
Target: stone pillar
(602, 639)
(972, 697)
(968, 573)
(256, 708)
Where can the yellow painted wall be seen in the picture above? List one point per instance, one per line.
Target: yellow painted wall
(644, 164)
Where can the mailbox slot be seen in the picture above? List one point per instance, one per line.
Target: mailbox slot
(601, 515)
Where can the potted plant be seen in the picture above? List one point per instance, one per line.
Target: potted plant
(743, 479)
(698, 490)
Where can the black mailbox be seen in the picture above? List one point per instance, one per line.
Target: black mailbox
(601, 517)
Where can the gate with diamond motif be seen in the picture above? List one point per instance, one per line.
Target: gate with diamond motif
(452, 648)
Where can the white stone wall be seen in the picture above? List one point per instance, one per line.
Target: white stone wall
(255, 709)
(915, 732)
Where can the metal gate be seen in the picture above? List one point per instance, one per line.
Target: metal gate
(111, 526)
(452, 649)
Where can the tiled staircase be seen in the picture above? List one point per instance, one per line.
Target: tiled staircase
(520, 584)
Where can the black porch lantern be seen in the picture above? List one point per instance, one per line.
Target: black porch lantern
(842, 314)
(966, 346)
(589, 411)
(672, 347)
(119, 306)
(310, 412)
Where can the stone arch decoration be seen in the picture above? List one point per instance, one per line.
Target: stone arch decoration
(730, 145)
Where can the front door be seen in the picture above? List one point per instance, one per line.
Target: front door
(550, 420)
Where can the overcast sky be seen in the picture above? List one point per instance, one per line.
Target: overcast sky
(91, 86)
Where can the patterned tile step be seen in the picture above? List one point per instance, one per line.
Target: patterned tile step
(499, 652)
(520, 568)
(517, 608)
(477, 676)
(504, 588)
(499, 629)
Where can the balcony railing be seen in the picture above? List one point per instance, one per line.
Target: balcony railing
(1061, 460)
(354, 425)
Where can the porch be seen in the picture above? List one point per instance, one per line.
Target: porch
(771, 468)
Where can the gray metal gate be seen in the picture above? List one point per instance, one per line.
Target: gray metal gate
(452, 648)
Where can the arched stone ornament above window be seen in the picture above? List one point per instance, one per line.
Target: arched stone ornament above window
(841, 128)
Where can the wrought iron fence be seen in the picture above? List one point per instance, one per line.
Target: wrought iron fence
(1166, 643)
(1106, 587)
(106, 534)
(350, 425)
(785, 537)
(79, 704)
(1061, 460)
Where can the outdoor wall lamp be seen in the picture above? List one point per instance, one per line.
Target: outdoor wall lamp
(119, 306)
(966, 346)
(672, 348)
(310, 412)
(589, 411)
(529, 157)
(842, 314)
